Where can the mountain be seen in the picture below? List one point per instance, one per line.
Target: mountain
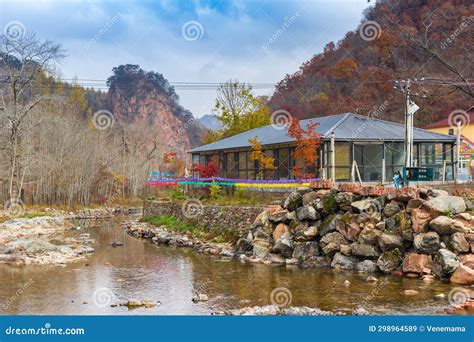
(136, 95)
(210, 122)
(428, 41)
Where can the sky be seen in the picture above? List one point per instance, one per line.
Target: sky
(187, 41)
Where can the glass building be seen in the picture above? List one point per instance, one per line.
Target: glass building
(376, 146)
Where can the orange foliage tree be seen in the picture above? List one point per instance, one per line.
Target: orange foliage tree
(264, 163)
(307, 141)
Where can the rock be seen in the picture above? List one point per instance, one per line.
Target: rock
(261, 248)
(427, 278)
(371, 279)
(280, 229)
(391, 209)
(367, 266)
(469, 204)
(458, 243)
(306, 250)
(417, 263)
(278, 216)
(380, 226)
(415, 203)
(348, 227)
(445, 204)
(344, 200)
(347, 283)
(410, 292)
(398, 222)
(369, 236)
(346, 250)
(310, 232)
(243, 246)
(284, 245)
(200, 297)
(389, 261)
(309, 198)
(343, 262)
(464, 217)
(331, 243)
(463, 276)
(307, 213)
(467, 260)
(328, 225)
(364, 250)
(293, 201)
(365, 206)
(390, 241)
(277, 259)
(329, 203)
(134, 303)
(427, 243)
(444, 225)
(420, 219)
(444, 263)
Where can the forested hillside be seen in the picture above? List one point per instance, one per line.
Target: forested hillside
(427, 40)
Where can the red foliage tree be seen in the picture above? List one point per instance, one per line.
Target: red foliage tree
(307, 141)
(206, 171)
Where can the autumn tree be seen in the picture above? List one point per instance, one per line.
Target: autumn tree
(257, 154)
(307, 141)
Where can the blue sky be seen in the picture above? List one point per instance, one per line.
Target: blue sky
(188, 41)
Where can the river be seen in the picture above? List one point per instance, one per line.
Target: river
(141, 270)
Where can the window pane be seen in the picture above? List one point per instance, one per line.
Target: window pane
(284, 163)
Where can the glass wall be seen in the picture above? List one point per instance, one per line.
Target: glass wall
(369, 161)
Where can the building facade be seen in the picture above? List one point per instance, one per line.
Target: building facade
(376, 146)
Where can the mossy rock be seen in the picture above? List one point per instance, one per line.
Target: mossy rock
(328, 225)
(329, 203)
(389, 261)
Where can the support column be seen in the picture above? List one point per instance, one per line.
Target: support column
(333, 158)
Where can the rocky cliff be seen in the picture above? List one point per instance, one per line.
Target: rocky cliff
(136, 95)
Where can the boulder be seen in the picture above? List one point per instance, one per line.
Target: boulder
(280, 229)
(398, 222)
(417, 263)
(467, 260)
(261, 248)
(328, 225)
(367, 266)
(444, 263)
(391, 209)
(343, 262)
(364, 250)
(436, 193)
(277, 259)
(469, 204)
(369, 236)
(293, 201)
(390, 241)
(365, 206)
(444, 225)
(344, 200)
(329, 203)
(389, 261)
(243, 246)
(415, 203)
(309, 198)
(307, 213)
(331, 242)
(427, 243)
(310, 232)
(306, 250)
(346, 250)
(463, 276)
(445, 204)
(420, 219)
(458, 243)
(284, 245)
(348, 227)
(278, 216)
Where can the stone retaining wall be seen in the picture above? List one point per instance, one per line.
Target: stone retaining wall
(207, 216)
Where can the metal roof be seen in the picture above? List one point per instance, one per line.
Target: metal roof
(347, 127)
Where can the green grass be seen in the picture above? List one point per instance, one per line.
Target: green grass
(35, 214)
(214, 234)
